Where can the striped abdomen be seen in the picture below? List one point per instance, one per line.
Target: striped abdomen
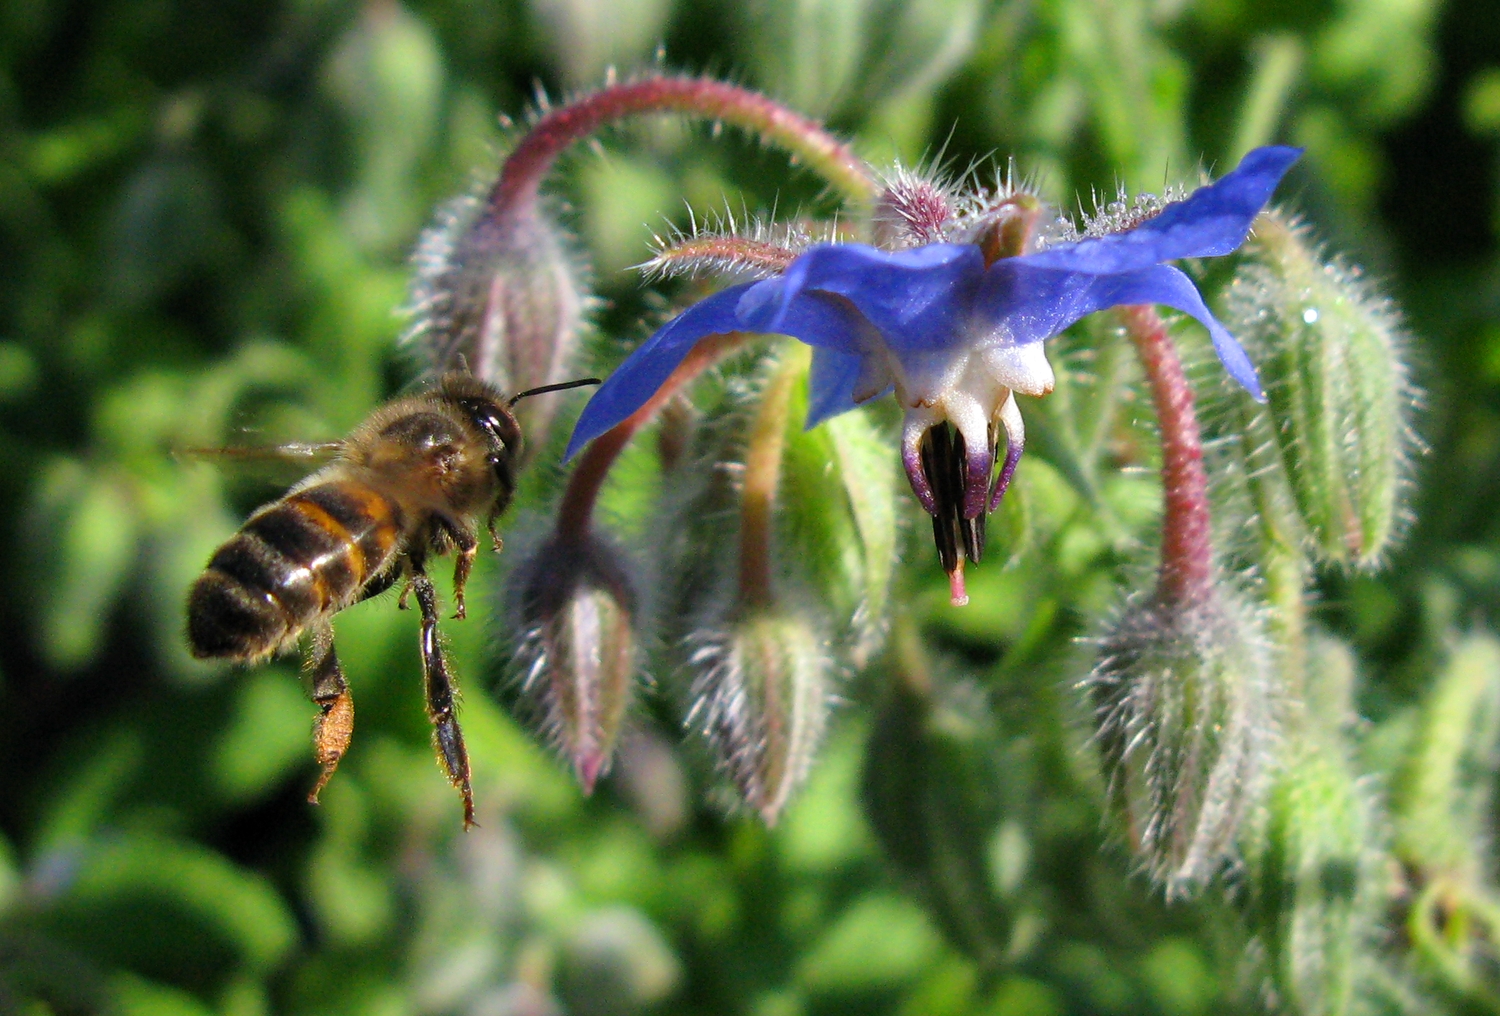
(305, 556)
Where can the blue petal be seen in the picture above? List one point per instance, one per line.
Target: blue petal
(643, 372)
(1033, 304)
(830, 385)
(918, 299)
(821, 320)
(1211, 221)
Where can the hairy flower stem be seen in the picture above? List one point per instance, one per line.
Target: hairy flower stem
(1284, 571)
(1186, 574)
(576, 512)
(763, 476)
(529, 163)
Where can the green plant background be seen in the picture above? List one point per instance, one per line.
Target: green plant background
(205, 214)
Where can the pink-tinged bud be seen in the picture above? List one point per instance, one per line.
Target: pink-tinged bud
(496, 289)
(762, 699)
(910, 211)
(1183, 708)
(576, 655)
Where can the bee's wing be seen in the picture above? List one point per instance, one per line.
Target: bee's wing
(279, 465)
(300, 453)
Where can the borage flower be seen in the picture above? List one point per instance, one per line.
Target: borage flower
(954, 322)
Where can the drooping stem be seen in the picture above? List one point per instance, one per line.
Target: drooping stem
(762, 477)
(576, 511)
(712, 100)
(1186, 573)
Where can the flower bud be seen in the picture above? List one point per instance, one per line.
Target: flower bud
(1330, 352)
(499, 292)
(1443, 793)
(1311, 890)
(762, 698)
(576, 653)
(1181, 694)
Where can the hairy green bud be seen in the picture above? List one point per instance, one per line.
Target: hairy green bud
(1184, 716)
(1311, 889)
(1443, 793)
(762, 696)
(576, 653)
(1330, 352)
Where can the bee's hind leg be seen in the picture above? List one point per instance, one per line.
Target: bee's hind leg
(441, 704)
(335, 725)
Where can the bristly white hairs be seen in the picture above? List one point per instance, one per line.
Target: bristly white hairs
(723, 711)
(931, 204)
(429, 300)
(1124, 213)
(704, 248)
(1140, 707)
(1249, 302)
(977, 203)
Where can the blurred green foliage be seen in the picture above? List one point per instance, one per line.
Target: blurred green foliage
(205, 210)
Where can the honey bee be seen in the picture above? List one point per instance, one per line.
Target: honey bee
(409, 483)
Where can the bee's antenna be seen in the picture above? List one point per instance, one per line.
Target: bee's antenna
(463, 364)
(561, 386)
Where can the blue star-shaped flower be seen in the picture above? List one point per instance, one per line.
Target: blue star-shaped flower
(955, 331)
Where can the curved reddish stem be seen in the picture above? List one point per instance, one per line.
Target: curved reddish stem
(1187, 557)
(522, 174)
(575, 513)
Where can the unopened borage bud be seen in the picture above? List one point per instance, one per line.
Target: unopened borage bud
(1182, 696)
(1330, 352)
(576, 650)
(497, 290)
(762, 699)
(1310, 891)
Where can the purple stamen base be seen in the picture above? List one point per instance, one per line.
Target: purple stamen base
(1007, 472)
(981, 463)
(916, 471)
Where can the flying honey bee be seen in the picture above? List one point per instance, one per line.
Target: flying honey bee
(410, 482)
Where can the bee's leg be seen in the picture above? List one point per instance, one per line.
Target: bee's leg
(468, 546)
(335, 724)
(495, 541)
(406, 570)
(441, 707)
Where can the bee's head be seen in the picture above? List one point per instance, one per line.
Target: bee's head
(483, 405)
(488, 412)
